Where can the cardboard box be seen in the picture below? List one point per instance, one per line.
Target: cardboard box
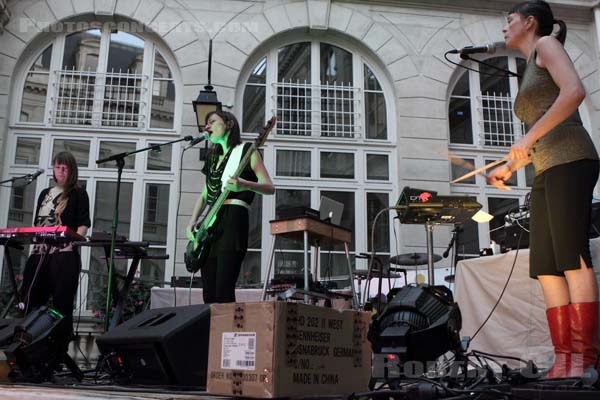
(279, 349)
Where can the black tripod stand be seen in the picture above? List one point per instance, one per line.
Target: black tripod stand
(120, 161)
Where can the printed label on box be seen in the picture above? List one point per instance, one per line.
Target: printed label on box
(238, 350)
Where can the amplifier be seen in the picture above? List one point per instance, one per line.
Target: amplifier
(512, 233)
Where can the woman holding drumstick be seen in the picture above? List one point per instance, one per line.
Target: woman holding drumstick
(566, 169)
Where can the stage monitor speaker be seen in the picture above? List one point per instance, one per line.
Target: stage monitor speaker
(38, 346)
(7, 331)
(165, 346)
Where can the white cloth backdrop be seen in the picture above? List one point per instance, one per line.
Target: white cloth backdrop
(163, 297)
(518, 326)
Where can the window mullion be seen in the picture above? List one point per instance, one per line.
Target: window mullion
(315, 89)
(55, 65)
(270, 79)
(517, 126)
(514, 88)
(476, 103)
(100, 82)
(360, 126)
(147, 85)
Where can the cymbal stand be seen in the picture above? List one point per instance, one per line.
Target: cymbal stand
(457, 231)
(376, 263)
(359, 279)
(429, 230)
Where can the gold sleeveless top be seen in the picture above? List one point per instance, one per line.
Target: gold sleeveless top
(567, 142)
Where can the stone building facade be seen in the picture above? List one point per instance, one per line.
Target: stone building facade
(367, 104)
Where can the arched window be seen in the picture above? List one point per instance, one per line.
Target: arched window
(334, 138)
(100, 79)
(482, 127)
(35, 89)
(97, 93)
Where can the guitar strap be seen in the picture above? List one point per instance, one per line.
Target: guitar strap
(232, 164)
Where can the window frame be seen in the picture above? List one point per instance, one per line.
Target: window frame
(481, 152)
(151, 45)
(359, 146)
(139, 176)
(360, 57)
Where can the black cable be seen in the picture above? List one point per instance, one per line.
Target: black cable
(78, 345)
(499, 356)
(396, 244)
(37, 270)
(503, 290)
(488, 358)
(176, 222)
(373, 252)
(507, 72)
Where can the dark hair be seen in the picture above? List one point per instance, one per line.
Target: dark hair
(231, 124)
(544, 16)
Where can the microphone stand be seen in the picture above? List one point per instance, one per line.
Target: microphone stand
(29, 178)
(120, 161)
(454, 246)
(452, 240)
(506, 71)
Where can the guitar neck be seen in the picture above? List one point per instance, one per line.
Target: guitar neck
(210, 215)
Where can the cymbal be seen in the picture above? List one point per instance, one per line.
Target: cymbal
(413, 259)
(362, 273)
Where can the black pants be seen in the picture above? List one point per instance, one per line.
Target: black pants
(57, 278)
(561, 199)
(219, 275)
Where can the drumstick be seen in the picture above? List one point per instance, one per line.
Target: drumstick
(461, 162)
(456, 160)
(480, 170)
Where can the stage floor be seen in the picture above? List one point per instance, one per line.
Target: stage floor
(568, 389)
(50, 392)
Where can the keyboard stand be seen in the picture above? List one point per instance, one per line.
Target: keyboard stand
(125, 250)
(314, 232)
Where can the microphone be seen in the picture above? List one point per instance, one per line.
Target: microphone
(33, 176)
(486, 48)
(447, 252)
(455, 232)
(195, 140)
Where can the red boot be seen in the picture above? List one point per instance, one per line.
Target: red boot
(584, 325)
(560, 333)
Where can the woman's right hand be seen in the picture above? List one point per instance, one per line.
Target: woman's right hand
(498, 176)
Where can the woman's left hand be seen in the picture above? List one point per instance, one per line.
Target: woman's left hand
(236, 184)
(520, 150)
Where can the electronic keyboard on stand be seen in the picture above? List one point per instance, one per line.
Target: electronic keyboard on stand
(425, 207)
(19, 237)
(39, 234)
